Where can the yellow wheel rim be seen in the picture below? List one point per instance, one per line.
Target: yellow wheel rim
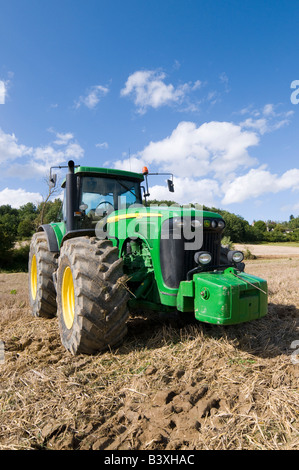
(33, 277)
(68, 298)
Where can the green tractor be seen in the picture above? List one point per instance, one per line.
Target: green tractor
(111, 254)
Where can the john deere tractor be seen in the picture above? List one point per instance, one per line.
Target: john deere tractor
(112, 253)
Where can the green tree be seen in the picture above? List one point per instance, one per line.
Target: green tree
(28, 211)
(7, 240)
(7, 209)
(294, 223)
(8, 231)
(156, 202)
(237, 228)
(9, 219)
(49, 212)
(26, 227)
(260, 225)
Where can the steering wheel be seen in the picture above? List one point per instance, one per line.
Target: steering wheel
(103, 202)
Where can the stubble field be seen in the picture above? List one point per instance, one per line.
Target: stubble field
(166, 387)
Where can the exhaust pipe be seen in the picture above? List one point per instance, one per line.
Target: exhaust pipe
(70, 196)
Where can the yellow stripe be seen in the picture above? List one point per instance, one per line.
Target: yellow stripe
(137, 215)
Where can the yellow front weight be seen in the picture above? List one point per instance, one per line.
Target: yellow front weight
(68, 298)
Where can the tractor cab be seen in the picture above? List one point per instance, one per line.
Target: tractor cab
(93, 193)
(100, 195)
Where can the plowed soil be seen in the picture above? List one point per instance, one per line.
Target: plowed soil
(270, 251)
(168, 386)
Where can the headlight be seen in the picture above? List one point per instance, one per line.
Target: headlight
(178, 222)
(214, 224)
(196, 223)
(202, 257)
(221, 224)
(235, 256)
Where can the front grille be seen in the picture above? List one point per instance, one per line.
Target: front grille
(176, 262)
(211, 243)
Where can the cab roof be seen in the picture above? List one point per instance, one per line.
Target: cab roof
(110, 172)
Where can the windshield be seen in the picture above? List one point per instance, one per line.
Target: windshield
(101, 195)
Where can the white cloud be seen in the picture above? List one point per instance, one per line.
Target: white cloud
(260, 125)
(268, 110)
(265, 120)
(264, 125)
(2, 92)
(149, 89)
(224, 80)
(214, 147)
(289, 180)
(188, 190)
(63, 139)
(197, 84)
(48, 155)
(4, 87)
(102, 145)
(133, 163)
(18, 197)
(211, 162)
(29, 162)
(92, 96)
(73, 150)
(259, 181)
(10, 149)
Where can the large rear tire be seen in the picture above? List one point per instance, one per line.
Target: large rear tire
(41, 266)
(91, 297)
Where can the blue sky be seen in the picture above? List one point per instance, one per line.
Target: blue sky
(198, 88)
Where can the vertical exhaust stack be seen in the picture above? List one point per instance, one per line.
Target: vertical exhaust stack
(70, 196)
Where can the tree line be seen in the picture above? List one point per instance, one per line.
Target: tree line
(18, 225)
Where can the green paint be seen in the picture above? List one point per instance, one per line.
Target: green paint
(222, 298)
(59, 230)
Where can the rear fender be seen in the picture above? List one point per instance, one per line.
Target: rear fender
(51, 237)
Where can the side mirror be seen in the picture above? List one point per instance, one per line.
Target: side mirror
(52, 181)
(170, 186)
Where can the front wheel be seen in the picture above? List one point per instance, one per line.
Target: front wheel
(91, 297)
(42, 265)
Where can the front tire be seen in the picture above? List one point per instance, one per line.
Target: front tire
(91, 297)
(42, 264)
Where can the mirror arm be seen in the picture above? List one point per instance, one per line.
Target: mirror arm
(169, 185)
(53, 177)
